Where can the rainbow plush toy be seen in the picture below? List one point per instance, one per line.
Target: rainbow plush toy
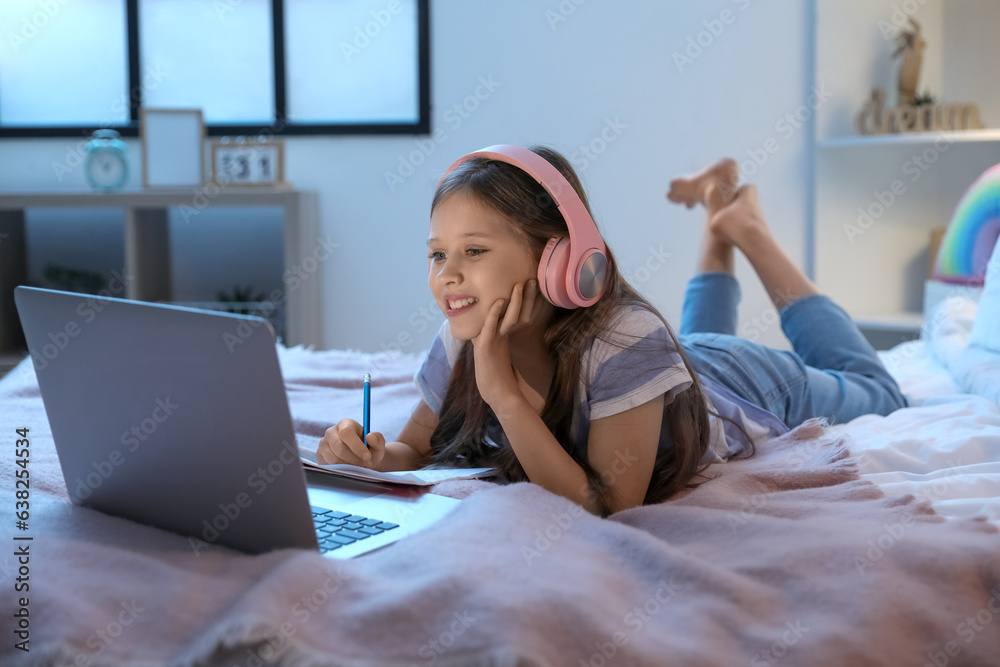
(968, 242)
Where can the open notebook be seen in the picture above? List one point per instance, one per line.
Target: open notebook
(424, 477)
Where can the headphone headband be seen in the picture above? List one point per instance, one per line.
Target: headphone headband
(571, 273)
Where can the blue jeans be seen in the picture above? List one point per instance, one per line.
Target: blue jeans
(833, 371)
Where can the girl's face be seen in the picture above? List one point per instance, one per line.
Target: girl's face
(476, 258)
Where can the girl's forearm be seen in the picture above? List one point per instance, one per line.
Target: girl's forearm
(544, 460)
(400, 456)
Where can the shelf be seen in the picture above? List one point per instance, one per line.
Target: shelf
(901, 322)
(8, 360)
(196, 197)
(147, 248)
(876, 200)
(912, 138)
(885, 332)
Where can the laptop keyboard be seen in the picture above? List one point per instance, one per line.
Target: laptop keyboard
(337, 529)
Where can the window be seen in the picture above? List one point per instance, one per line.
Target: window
(287, 66)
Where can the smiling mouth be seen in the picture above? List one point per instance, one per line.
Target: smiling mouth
(459, 306)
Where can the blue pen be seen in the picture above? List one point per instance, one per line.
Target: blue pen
(368, 407)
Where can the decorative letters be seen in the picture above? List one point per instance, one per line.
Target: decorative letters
(875, 118)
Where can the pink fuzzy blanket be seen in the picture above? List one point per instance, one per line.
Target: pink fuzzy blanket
(783, 559)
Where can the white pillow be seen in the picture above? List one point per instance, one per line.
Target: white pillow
(946, 328)
(986, 327)
(977, 370)
(946, 332)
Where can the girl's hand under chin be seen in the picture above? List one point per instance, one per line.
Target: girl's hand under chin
(494, 372)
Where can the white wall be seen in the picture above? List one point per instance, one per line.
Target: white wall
(558, 82)
(973, 56)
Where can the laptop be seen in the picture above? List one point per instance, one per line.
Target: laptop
(178, 418)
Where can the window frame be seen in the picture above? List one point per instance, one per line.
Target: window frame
(281, 126)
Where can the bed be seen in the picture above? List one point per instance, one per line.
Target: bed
(873, 542)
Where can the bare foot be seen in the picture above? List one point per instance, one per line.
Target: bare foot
(739, 221)
(713, 187)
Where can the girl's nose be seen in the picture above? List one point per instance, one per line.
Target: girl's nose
(447, 271)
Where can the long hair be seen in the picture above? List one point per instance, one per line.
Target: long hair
(460, 437)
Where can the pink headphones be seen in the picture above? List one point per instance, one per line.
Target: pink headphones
(573, 271)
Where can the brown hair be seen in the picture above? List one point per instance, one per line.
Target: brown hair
(459, 439)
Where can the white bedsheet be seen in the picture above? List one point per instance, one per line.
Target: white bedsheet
(945, 448)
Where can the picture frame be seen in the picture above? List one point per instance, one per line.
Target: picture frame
(173, 143)
(252, 163)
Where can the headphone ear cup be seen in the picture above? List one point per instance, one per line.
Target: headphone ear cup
(552, 270)
(592, 277)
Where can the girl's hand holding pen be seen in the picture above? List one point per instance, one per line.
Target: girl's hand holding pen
(342, 443)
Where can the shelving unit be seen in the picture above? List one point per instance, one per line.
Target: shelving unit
(878, 197)
(912, 139)
(147, 249)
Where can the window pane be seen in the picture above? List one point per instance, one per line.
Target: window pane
(352, 61)
(216, 56)
(63, 63)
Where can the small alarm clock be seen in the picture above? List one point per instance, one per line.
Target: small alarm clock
(106, 165)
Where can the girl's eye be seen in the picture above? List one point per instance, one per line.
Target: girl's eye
(436, 256)
(475, 252)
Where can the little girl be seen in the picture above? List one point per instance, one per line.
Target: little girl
(604, 404)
